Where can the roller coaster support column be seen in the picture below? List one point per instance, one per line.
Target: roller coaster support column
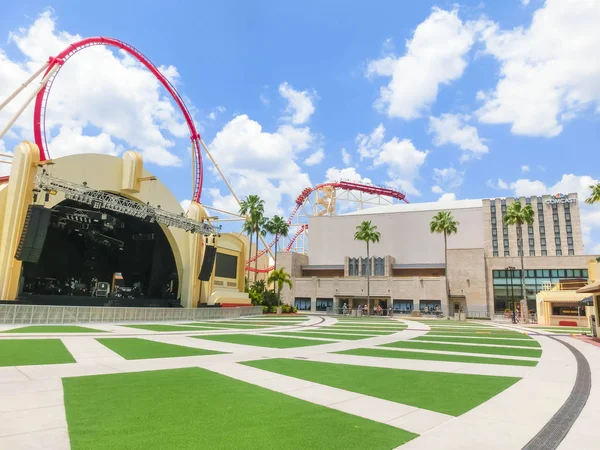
(232, 192)
(23, 86)
(28, 101)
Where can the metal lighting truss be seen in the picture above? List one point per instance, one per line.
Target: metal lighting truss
(104, 200)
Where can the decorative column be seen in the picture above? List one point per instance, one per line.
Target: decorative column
(19, 196)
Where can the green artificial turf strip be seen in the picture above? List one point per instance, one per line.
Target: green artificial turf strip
(135, 348)
(54, 329)
(160, 410)
(436, 357)
(507, 342)
(160, 327)
(352, 331)
(461, 392)
(27, 352)
(342, 337)
(222, 325)
(261, 340)
(392, 329)
(447, 347)
(503, 335)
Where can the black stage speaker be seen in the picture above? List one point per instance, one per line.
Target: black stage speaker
(208, 263)
(34, 234)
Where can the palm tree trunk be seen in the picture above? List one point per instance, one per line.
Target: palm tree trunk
(446, 270)
(249, 256)
(522, 251)
(368, 278)
(256, 257)
(275, 268)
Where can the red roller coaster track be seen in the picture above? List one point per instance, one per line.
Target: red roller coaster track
(347, 185)
(41, 101)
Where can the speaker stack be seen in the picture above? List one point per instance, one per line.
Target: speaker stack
(34, 232)
(208, 263)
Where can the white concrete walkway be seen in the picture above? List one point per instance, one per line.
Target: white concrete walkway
(32, 411)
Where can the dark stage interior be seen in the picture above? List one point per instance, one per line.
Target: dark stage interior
(86, 246)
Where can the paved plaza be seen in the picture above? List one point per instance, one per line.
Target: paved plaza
(422, 384)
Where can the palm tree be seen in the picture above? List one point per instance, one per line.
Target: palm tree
(517, 214)
(367, 232)
(260, 226)
(595, 197)
(252, 207)
(279, 278)
(444, 222)
(280, 228)
(247, 228)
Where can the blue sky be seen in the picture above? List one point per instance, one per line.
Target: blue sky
(437, 99)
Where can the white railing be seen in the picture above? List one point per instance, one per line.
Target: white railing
(40, 314)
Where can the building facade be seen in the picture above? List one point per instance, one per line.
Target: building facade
(407, 267)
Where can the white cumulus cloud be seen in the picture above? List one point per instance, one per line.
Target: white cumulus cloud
(399, 156)
(448, 177)
(315, 158)
(346, 174)
(437, 189)
(549, 71)
(300, 103)
(453, 129)
(435, 56)
(525, 169)
(447, 197)
(106, 92)
(346, 157)
(247, 154)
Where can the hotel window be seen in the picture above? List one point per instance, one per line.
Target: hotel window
(506, 253)
(363, 266)
(379, 267)
(353, 267)
(531, 242)
(544, 252)
(556, 229)
(541, 218)
(493, 220)
(324, 303)
(558, 252)
(494, 232)
(557, 241)
(505, 231)
(302, 303)
(543, 242)
(569, 229)
(570, 241)
(567, 216)
(530, 230)
(531, 252)
(495, 253)
(495, 244)
(555, 217)
(542, 230)
(505, 243)
(571, 252)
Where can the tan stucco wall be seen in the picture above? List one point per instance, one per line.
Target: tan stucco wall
(467, 276)
(404, 235)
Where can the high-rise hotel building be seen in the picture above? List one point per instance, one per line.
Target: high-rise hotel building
(556, 229)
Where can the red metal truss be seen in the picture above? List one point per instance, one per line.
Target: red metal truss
(347, 185)
(41, 101)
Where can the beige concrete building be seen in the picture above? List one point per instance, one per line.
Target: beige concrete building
(407, 266)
